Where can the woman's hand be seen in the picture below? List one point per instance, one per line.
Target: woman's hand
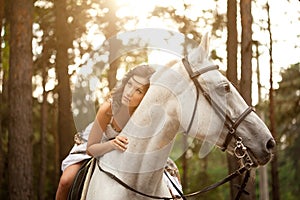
(119, 143)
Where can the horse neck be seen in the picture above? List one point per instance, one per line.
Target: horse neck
(150, 131)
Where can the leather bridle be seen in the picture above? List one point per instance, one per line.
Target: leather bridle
(228, 122)
(240, 150)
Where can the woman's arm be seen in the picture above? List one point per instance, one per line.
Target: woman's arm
(94, 146)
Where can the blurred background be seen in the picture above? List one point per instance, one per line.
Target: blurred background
(59, 59)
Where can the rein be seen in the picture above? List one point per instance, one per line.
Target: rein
(112, 176)
(240, 151)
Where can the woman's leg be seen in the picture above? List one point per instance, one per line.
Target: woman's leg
(66, 181)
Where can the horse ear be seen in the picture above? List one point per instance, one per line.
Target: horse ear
(205, 41)
(200, 54)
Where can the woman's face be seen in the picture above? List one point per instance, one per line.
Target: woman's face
(134, 91)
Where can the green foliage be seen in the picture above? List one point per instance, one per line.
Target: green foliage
(287, 116)
(202, 172)
(287, 176)
(288, 127)
(288, 104)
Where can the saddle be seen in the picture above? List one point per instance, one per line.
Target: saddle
(79, 188)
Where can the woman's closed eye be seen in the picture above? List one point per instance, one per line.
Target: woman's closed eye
(140, 91)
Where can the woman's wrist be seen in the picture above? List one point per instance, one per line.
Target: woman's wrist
(120, 143)
(112, 144)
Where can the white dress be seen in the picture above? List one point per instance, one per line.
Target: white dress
(78, 152)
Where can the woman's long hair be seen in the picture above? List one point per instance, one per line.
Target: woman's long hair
(144, 71)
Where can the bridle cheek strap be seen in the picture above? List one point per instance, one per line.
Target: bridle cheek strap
(234, 126)
(193, 77)
(229, 123)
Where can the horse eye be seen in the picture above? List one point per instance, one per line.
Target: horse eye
(223, 88)
(227, 88)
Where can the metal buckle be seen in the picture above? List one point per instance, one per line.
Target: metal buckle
(240, 149)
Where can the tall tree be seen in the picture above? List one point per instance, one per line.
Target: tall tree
(61, 23)
(246, 72)
(43, 152)
(110, 31)
(246, 51)
(2, 155)
(4, 69)
(263, 173)
(232, 43)
(274, 167)
(66, 127)
(231, 73)
(20, 98)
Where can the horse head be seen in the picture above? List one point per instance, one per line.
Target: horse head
(211, 109)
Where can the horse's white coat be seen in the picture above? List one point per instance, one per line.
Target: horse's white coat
(166, 110)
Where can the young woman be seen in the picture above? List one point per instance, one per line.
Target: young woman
(103, 133)
(113, 115)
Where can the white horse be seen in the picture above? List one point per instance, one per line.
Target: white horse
(204, 104)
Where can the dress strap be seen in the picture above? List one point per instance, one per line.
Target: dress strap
(112, 116)
(111, 119)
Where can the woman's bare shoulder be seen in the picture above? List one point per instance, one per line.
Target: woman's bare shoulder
(105, 110)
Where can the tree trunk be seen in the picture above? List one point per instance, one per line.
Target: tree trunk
(274, 167)
(2, 105)
(20, 98)
(115, 45)
(43, 140)
(232, 42)
(231, 74)
(56, 143)
(246, 73)
(66, 127)
(246, 51)
(263, 170)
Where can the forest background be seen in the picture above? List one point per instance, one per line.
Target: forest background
(49, 49)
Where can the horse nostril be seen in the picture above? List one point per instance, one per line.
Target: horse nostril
(271, 144)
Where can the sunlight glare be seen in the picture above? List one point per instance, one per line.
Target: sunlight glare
(120, 73)
(135, 8)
